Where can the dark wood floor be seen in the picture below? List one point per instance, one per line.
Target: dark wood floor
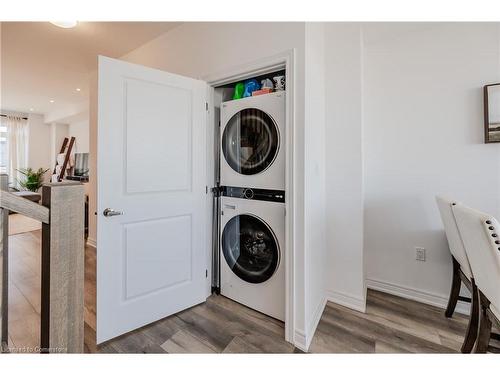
(390, 325)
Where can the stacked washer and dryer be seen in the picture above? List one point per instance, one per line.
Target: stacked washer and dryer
(252, 221)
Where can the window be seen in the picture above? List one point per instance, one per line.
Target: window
(14, 132)
(4, 148)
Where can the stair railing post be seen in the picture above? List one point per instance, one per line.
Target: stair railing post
(62, 299)
(4, 270)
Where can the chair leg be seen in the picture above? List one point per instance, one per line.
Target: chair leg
(483, 336)
(472, 327)
(455, 290)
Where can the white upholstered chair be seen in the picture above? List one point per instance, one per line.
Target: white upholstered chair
(480, 235)
(462, 273)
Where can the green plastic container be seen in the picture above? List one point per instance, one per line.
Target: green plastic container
(239, 89)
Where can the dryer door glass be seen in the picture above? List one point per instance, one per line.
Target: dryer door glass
(250, 248)
(250, 141)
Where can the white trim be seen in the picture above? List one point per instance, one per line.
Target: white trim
(311, 330)
(416, 295)
(290, 229)
(281, 60)
(210, 167)
(302, 340)
(347, 300)
(299, 340)
(91, 242)
(252, 69)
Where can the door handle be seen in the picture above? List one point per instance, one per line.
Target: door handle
(110, 212)
(230, 206)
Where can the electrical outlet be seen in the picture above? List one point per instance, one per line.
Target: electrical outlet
(420, 254)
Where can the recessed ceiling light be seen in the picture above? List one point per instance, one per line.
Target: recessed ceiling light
(32, 109)
(78, 89)
(51, 100)
(65, 24)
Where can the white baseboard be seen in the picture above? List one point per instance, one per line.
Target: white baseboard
(347, 300)
(299, 340)
(91, 242)
(416, 295)
(302, 340)
(315, 321)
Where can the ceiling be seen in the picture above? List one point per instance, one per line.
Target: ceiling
(41, 62)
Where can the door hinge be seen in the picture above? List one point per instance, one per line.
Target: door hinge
(206, 189)
(206, 106)
(206, 274)
(217, 190)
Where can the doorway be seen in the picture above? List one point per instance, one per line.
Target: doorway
(282, 62)
(117, 253)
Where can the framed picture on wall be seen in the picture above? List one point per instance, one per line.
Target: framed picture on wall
(492, 113)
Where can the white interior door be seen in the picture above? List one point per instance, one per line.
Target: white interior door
(151, 258)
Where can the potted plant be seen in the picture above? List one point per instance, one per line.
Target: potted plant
(33, 180)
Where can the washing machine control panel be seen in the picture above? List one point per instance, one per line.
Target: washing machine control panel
(255, 194)
(248, 193)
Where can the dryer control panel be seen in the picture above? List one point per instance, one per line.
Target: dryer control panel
(255, 194)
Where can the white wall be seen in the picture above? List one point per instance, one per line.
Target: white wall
(80, 130)
(315, 236)
(57, 134)
(39, 144)
(344, 174)
(423, 135)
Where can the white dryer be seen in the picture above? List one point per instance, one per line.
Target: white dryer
(252, 264)
(252, 142)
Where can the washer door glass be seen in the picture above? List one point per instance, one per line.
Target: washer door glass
(250, 248)
(250, 141)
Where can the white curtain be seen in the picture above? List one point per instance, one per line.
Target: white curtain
(17, 143)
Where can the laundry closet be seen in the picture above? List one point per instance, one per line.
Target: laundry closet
(193, 187)
(249, 197)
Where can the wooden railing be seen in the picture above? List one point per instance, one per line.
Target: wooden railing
(62, 263)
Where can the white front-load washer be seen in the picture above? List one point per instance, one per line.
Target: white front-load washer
(253, 142)
(252, 256)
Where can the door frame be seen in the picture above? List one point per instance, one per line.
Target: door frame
(285, 59)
